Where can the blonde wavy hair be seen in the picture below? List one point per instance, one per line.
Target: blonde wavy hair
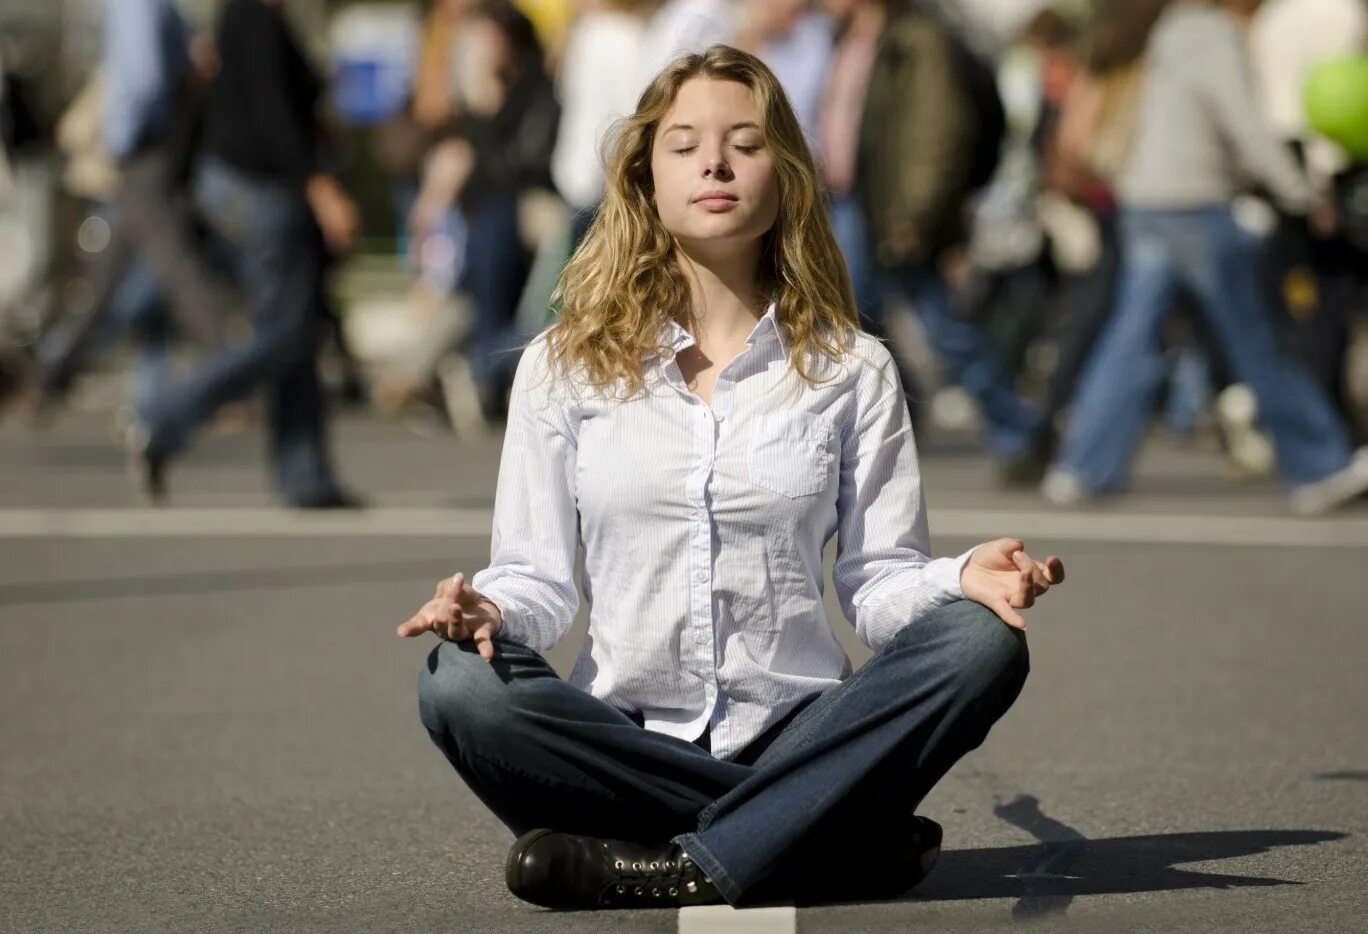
(625, 280)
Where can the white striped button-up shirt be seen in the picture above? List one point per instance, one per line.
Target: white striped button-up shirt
(703, 529)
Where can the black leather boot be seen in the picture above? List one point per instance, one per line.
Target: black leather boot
(562, 870)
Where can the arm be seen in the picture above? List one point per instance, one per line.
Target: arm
(530, 577)
(1227, 90)
(135, 72)
(884, 578)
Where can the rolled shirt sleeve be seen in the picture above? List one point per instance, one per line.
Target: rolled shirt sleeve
(884, 576)
(536, 522)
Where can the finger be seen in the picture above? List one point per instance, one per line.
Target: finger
(1054, 569)
(1008, 615)
(460, 589)
(484, 642)
(1039, 581)
(415, 626)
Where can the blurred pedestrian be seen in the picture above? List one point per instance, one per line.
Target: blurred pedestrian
(151, 107)
(858, 27)
(1198, 131)
(1311, 267)
(930, 137)
(264, 189)
(496, 149)
(599, 85)
(704, 416)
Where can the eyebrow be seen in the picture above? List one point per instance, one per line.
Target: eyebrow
(735, 126)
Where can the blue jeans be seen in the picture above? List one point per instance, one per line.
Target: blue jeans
(814, 797)
(279, 259)
(495, 271)
(1203, 250)
(1013, 424)
(852, 236)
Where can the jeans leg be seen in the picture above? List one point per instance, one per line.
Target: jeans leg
(961, 347)
(1310, 439)
(299, 433)
(1124, 371)
(540, 752)
(879, 740)
(279, 261)
(495, 272)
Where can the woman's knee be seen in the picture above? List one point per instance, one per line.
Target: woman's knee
(458, 691)
(982, 649)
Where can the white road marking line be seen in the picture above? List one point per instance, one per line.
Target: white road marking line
(724, 919)
(415, 522)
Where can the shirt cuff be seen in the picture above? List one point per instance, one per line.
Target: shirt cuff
(511, 628)
(944, 575)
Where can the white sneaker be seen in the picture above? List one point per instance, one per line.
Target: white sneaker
(1063, 488)
(1345, 484)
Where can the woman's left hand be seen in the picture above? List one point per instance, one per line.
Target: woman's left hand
(1004, 578)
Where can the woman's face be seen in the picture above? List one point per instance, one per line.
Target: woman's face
(714, 176)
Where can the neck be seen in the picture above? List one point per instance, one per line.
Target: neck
(725, 300)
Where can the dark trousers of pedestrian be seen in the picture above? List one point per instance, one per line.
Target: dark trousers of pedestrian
(149, 223)
(804, 812)
(279, 258)
(496, 267)
(851, 232)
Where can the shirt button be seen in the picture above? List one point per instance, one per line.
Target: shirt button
(700, 576)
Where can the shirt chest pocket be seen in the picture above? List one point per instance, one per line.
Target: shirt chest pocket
(790, 453)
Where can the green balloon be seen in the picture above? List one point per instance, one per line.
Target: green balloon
(1336, 102)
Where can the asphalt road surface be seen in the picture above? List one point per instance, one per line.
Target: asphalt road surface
(207, 724)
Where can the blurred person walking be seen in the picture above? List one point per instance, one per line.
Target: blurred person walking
(263, 188)
(598, 85)
(496, 149)
(151, 101)
(929, 138)
(1198, 132)
(1311, 265)
(702, 419)
(858, 27)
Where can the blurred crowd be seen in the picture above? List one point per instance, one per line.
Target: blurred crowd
(1079, 224)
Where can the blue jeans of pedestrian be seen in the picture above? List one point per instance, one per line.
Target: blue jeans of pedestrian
(495, 271)
(279, 259)
(1013, 424)
(798, 813)
(852, 236)
(1203, 250)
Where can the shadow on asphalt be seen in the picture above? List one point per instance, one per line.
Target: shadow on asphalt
(1046, 877)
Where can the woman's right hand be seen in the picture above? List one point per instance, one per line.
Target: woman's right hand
(457, 612)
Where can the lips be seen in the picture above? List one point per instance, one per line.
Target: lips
(715, 196)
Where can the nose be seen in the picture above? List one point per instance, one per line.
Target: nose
(717, 168)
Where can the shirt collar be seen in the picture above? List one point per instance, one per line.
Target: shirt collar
(769, 325)
(672, 335)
